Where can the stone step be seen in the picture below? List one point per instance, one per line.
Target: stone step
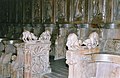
(59, 69)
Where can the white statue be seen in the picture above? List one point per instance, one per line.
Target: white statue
(45, 36)
(94, 37)
(73, 43)
(93, 40)
(28, 36)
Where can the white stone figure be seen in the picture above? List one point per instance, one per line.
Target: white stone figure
(92, 41)
(73, 42)
(94, 37)
(28, 36)
(45, 36)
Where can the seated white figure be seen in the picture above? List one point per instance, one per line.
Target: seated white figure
(92, 41)
(94, 37)
(28, 36)
(73, 43)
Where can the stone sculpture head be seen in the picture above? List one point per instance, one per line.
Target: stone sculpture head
(73, 42)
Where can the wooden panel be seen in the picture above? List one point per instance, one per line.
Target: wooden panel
(37, 11)
(12, 11)
(60, 10)
(48, 11)
(27, 11)
(4, 11)
(19, 11)
(1, 10)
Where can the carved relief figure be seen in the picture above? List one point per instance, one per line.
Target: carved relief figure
(95, 7)
(77, 11)
(60, 8)
(77, 59)
(78, 4)
(27, 11)
(47, 10)
(37, 10)
(98, 12)
(37, 57)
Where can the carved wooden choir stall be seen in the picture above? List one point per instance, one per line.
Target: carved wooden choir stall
(28, 59)
(87, 61)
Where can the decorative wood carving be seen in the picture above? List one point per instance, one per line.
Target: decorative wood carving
(78, 10)
(79, 64)
(48, 11)
(4, 16)
(91, 64)
(60, 10)
(78, 61)
(1, 10)
(36, 60)
(27, 11)
(19, 11)
(12, 11)
(37, 56)
(37, 11)
(111, 46)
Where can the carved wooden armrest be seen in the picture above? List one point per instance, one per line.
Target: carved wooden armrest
(91, 51)
(110, 58)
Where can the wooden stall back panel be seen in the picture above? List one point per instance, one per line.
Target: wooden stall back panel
(107, 70)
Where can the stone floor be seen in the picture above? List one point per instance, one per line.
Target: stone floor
(59, 69)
